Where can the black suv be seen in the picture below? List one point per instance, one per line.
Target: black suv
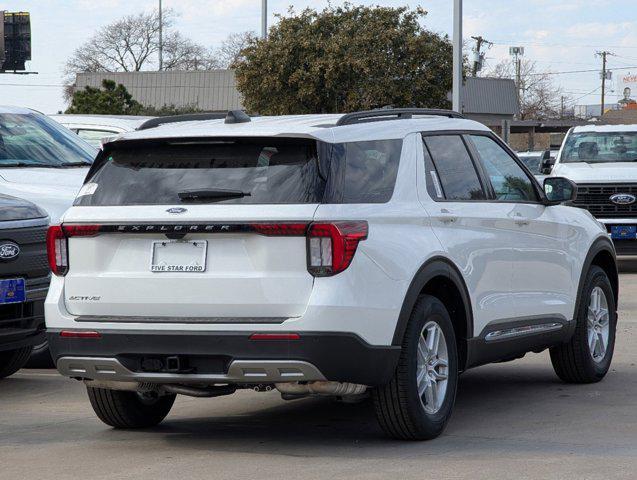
(24, 281)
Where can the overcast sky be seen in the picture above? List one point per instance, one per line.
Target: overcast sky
(562, 36)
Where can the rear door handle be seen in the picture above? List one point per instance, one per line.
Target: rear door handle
(520, 220)
(446, 216)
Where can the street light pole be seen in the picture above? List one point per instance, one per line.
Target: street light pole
(161, 38)
(457, 56)
(264, 19)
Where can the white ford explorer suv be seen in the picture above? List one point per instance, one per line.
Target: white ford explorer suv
(602, 161)
(382, 251)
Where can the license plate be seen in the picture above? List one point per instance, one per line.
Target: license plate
(178, 256)
(12, 291)
(621, 232)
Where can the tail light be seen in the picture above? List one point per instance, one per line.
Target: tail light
(331, 246)
(57, 244)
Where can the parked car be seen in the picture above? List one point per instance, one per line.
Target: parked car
(602, 161)
(535, 161)
(382, 251)
(95, 128)
(24, 281)
(40, 160)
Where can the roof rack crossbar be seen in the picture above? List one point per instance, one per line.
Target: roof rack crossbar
(189, 117)
(393, 114)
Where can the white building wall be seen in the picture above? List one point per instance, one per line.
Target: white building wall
(213, 90)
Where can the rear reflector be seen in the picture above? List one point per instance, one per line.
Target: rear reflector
(79, 334)
(331, 246)
(275, 336)
(280, 229)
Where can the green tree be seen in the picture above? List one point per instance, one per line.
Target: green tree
(343, 59)
(111, 99)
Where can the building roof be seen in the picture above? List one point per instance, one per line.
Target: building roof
(624, 116)
(320, 127)
(494, 96)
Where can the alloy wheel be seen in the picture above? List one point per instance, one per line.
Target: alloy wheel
(598, 324)
(432, 367)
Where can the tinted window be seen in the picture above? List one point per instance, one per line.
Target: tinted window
(456, 171)
(34, 140)
(266, 170)
(509, 181)
(362, 172)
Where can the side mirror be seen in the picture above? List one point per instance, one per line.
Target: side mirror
(547, 163)
(559, 190)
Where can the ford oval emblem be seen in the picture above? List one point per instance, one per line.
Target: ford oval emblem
(177, 210)
(623, 199)
(8, 251)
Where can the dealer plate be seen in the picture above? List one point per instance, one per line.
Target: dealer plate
(178, 256)
(12, 291)
(623, 232)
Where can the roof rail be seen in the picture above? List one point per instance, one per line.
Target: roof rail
(189, 117)
(397, 114)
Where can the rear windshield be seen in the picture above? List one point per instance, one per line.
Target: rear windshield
(243, 171)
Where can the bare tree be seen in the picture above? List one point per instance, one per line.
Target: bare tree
(232, 47)
(181, 53)
(539, 97)
(131, 44)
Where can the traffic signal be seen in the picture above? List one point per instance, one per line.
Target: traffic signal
(15, 40)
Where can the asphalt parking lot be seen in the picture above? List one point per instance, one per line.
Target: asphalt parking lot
(512, 420)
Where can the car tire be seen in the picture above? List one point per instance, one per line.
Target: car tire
(123, 409)
(41, 357)
(404, 409)
(13, 360)
(586, 358)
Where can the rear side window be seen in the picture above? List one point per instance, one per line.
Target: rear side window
(455, 170)
(244, 171)
(362, 172)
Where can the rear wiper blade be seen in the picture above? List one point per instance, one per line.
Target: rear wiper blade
(211, 194)
(75, 164)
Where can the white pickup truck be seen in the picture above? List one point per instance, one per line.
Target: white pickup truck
(602, 161)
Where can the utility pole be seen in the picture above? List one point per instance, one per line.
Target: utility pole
(478, 59)
(264, 19)
(457, 56)
(606, 75)
(562, 106)
(161, 38)
(516, 53)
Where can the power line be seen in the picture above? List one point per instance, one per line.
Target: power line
(584, 71)
(31, 85)
(572, 102)
(539, 44)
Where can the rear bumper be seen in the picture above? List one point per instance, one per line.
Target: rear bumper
(222, 357)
